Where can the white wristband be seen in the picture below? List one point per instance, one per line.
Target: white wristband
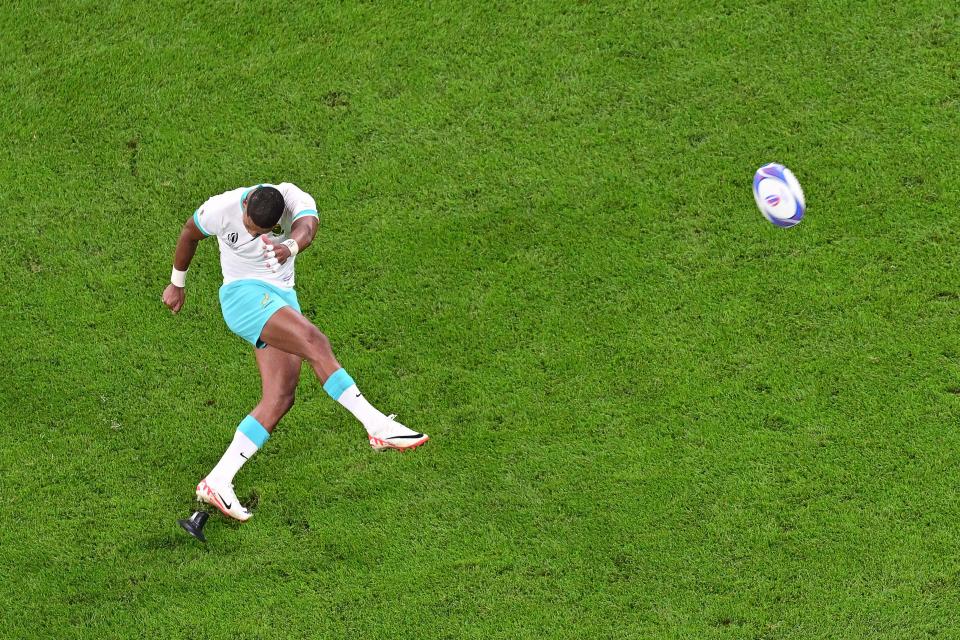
(178, 278)
(292, 245)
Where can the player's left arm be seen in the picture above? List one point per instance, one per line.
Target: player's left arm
(302, 232)
(303, 229)
(301, 236)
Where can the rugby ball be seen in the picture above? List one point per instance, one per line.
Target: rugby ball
(778, 195)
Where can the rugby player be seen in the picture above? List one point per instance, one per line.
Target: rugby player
(260, 305)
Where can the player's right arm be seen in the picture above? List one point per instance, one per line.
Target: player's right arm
(190, 237)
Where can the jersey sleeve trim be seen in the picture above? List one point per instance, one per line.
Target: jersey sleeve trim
(196, 221)
(306, 212)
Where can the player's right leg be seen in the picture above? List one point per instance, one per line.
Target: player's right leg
(290, 331)
(279, 374)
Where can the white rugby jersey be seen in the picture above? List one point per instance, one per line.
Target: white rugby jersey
(240, 254)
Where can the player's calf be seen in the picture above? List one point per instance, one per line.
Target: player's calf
(271, 409)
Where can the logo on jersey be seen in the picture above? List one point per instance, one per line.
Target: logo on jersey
(232, 237)
(266, 300)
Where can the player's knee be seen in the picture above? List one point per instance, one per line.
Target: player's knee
(318, 345)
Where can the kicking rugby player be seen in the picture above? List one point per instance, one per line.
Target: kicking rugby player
(260, 305)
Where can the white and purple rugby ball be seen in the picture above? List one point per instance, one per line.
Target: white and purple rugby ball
(778, 195)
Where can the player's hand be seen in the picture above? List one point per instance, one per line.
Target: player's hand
(274, 254)
(173, 297)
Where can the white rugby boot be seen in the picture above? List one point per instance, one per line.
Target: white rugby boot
(220, 494)
(393, 435)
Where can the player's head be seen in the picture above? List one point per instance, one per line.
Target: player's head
(263, 207)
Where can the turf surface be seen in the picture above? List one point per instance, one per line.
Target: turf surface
(652, 413)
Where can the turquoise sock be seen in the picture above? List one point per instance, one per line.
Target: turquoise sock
(252, 428)
(337, 383)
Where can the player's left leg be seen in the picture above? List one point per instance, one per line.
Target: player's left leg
(279, 374)
(287, 329)
(266, 315)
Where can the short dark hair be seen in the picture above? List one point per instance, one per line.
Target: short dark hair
(265, 206)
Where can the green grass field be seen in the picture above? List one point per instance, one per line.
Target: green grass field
(652, 413)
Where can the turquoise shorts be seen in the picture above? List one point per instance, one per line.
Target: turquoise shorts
(248, 304)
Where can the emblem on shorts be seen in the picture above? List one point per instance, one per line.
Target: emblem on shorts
(232, 237)
(266, 300)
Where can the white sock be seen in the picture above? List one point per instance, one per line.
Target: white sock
(371, 417)
(240, 450)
